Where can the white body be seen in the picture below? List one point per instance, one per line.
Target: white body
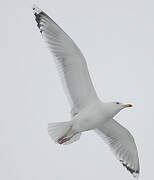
(91, 117)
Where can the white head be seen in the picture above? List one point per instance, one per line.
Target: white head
(113, 108)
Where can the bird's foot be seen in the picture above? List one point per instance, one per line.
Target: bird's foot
(63, 139)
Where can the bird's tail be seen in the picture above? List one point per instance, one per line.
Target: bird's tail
(62, 132)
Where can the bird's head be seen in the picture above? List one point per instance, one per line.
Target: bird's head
(114, 108)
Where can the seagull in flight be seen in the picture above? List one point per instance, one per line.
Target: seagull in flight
(87, 111)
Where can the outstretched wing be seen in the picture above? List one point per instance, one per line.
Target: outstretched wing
(69, 60)
(122, 144)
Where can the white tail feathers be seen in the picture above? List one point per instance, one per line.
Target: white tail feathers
(63, 130)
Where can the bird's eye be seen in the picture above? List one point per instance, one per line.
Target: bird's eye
(117, 103)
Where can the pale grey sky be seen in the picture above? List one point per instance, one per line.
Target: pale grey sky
(117, 39)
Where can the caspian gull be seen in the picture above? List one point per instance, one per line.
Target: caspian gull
(87, 111)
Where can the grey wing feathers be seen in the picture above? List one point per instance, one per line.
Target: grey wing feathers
(70, 62)
(122, 144)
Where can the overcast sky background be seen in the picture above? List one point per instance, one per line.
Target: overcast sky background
(117, 39)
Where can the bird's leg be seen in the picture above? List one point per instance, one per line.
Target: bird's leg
(64, 138)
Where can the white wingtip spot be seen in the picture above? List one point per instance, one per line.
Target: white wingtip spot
(36, 9)
(136, 175)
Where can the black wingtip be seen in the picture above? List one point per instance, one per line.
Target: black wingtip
(37, 14)
(37, 18)
(135, 173)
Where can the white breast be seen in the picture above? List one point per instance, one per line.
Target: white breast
(90, 117)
